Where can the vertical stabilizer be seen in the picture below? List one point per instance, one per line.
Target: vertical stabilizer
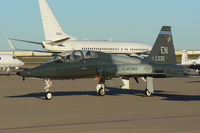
(163, 50)
(184, 58)
(12, 46)
(52, 28)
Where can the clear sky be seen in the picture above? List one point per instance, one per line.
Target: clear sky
(120, 20)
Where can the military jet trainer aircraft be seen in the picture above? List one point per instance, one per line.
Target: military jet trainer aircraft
(161, 63)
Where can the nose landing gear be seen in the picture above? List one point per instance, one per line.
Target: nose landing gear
(101, 87)
(48, 96)
(48, 84)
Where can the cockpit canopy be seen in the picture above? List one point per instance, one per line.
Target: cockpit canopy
(76, 55)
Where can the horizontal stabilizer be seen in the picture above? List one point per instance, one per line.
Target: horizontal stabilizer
(56, 42)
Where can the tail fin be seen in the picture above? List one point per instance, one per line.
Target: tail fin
(184, 57)
(12, 46)
(163, 50)
(52, 28)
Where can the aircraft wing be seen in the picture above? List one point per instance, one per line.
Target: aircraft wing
(50, 42)
(19, 40)
(12, 46)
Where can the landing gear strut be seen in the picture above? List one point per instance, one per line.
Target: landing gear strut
(149, 84)
(101, 87)
(48, 84)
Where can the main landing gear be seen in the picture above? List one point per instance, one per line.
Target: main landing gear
(48, 84)
(148, 92)
(149, 86)
(101, 87)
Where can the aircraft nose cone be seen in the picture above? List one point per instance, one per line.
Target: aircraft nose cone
(21, 73)
(22, 63)
(32, 72)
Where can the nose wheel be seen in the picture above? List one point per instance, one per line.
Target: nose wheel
(101, 87)
(48, 96)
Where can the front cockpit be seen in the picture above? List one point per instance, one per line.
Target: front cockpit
(71, 56)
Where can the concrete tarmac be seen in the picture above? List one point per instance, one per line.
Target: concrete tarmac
(75, 107)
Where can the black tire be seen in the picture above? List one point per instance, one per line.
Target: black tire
(101, 92)
(48, 96)
(147, 93)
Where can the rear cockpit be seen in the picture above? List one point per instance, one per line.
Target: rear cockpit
(71, 56)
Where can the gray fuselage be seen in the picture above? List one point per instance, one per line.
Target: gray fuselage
(108, 65)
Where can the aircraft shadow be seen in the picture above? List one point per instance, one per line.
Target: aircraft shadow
(109, 91)
(197, 81)
(7, 74)
(55, 94)
(177, 97)
(115, 92)
(158, 93)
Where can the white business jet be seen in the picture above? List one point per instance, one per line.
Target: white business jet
(8, 61)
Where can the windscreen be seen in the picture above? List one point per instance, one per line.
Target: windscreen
(70, 56)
